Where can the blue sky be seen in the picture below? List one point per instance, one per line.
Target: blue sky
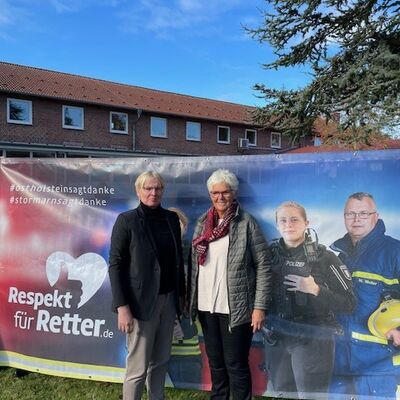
(194, 47)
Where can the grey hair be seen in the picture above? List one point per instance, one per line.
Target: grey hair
(360, 196)
(141, 179)
(223, 176)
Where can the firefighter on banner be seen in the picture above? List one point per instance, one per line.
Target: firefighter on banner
(367, 360)
(185, 364)
(310, 285)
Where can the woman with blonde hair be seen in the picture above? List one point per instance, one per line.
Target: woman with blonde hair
(310, 284)
(147, 282)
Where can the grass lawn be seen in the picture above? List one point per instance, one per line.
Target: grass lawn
(44, 387)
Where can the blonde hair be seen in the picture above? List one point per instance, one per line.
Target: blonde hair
(141, 179)
(293, 204)
(181, 215)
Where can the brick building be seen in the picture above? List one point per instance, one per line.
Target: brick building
(52, 114)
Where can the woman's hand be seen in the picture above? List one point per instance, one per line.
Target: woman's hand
(305, 284)
(257, 319)
(125, 319)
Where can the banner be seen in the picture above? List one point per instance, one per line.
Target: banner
(56, 217)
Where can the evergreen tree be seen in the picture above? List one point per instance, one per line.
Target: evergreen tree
(353, 50)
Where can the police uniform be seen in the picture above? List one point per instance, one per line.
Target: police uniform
(300, 326)
(366, 364)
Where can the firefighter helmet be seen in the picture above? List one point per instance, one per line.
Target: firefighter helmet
(385, 318)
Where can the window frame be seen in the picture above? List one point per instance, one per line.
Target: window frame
(165, 136)
(279, 146)
(120, 132)
(193, 123)
(255, 137)
(228, 141)
(79, 128)
(27, 121)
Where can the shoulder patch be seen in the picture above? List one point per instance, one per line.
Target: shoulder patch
(346, 273)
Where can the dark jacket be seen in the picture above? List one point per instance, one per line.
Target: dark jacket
(133, 265)
(330, 274)
(249, 275)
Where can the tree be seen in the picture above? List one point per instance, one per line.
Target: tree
(353, 50)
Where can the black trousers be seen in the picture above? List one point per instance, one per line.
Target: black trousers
(228, 356)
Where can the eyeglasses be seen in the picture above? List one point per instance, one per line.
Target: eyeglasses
(225, 193)
(361, 214)
(149, 189)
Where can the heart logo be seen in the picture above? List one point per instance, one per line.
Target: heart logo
(90, 269)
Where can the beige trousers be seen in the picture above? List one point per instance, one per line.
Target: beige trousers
(149, 349)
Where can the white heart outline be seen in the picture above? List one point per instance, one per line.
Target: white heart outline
(89, 268)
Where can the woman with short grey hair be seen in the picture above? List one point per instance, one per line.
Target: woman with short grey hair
(229, 286)
(223, 175)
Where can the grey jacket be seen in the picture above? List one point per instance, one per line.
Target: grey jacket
(249, 274)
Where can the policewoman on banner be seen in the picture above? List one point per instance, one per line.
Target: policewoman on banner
(310, 284)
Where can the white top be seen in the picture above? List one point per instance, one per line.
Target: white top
(212, 283)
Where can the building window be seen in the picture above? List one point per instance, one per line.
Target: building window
(193, 131)
(158, 127)
(72, 117)
(224, 134)
(276, 140)
(118, 122)
(16, 153)
(317, 141)
(19, 111)
(251, 136)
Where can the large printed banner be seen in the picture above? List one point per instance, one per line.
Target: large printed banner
(56, 218)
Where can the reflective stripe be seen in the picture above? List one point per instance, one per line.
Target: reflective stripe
(62, 368)
(194, 341)
(374, 339)
(186, 347)
(185, 351)
(368, 338)
(376, 277)
(339, 277)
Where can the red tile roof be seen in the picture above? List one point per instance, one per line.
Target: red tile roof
(24, 80)
(389, 144)
(315, 149)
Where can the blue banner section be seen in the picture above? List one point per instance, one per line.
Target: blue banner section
(56, 217)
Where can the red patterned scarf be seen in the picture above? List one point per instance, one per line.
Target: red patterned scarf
(213, 231)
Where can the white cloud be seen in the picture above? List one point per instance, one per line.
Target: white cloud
(64, 6)
(190, 5)
(24, 15)
(11, 15)
(8, 13)
(70, 6)
(161, 18)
